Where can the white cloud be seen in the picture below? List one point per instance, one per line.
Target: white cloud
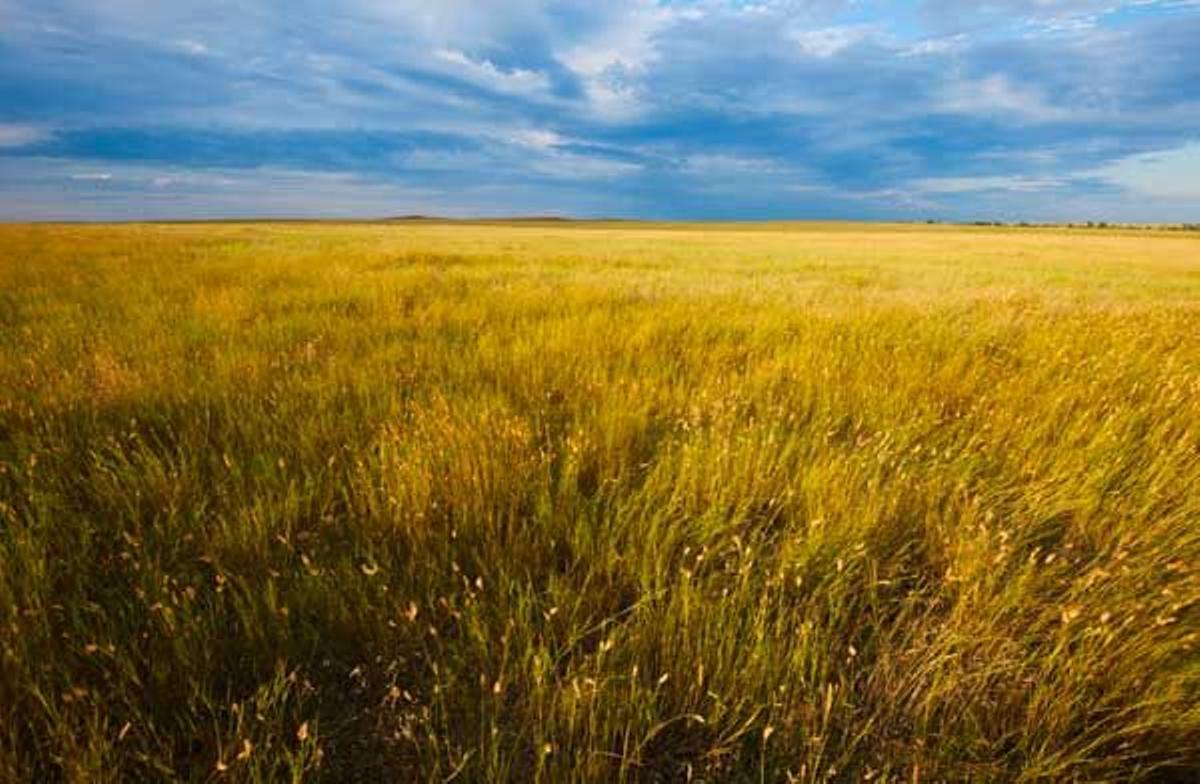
(610, 60)
(827, 42)
(184, 179)
(536, 139)
(715, 164)
(546, 153)
(449, 160)
(571, 166)
(486, 74)
(40, 189)
(18, 135)
(977, 184)
(1172, 174)
(194, 48)
(998, 94)
(626, 42)
(935, 46)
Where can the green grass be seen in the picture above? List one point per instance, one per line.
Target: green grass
(604, 503)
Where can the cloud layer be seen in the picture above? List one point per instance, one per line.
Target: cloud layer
(1010, 109)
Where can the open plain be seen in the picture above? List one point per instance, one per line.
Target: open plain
(424, 501)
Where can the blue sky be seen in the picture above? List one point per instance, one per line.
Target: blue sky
(873, 109)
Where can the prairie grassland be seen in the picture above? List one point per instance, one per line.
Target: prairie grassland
(607, 503)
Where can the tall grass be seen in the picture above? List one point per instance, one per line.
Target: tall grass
(500, 503)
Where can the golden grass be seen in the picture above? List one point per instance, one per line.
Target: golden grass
(784, 502)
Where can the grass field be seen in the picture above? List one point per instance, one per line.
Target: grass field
(425, 502)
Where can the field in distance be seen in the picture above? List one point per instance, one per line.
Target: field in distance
(428, 501)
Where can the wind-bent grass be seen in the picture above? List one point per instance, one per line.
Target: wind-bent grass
(512, 503)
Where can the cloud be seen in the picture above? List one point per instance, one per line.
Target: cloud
(48, 190)
(638, 107)
(538, 139)
(614, 58)
(13, 135)
(828, 41)
(196, 48)
(486, 74)
(946, 185)
(1032, 15)
(935, 46)
(732, 166)
(1165, 174)
(999, 93)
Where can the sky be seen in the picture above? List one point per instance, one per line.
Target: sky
(1040, 110)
